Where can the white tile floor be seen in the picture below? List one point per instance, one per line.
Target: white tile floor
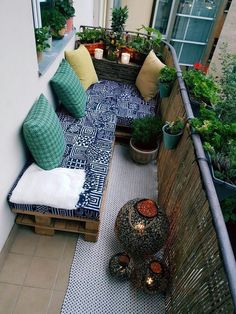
(34, 276)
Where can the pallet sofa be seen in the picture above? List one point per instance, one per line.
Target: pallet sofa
(111, 105)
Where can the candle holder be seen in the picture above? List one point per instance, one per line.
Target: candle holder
(121, 266)
(141, 227)
(125, 57)
(98, 53)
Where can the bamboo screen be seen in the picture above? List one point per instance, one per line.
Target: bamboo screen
(198, 281)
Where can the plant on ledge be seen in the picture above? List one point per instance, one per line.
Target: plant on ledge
(172, 132)
(167, 78)
(65, 8)
(41, 37)
(146, 135)
(56, 21)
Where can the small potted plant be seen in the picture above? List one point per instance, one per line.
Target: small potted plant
(172, 132)
(41, 37)
(66, 8)
(56, 21)
(146, 135)
(91, 38)
(167, 78)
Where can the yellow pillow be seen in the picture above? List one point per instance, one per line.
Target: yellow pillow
(81, 62)
(148, 77)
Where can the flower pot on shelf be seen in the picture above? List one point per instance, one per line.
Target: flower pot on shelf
(170, 140)
(69, 24)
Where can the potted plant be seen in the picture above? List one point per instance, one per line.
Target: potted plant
(91, 38)
(119, 17)
(66, 8)
(219, 142)
(41, 37)
(143, 44)
(167, 78)
(146, 135)
(201, 88)
(172, 132)
(56, 21)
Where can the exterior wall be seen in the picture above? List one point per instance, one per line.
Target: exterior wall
(227, 35)
(20, 87)
(139, 13)
(83, 12)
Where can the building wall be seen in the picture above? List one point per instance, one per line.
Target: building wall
(20, 87)
(139, 13)
(227, 35)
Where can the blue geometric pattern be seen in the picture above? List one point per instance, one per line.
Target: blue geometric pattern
(89, 141)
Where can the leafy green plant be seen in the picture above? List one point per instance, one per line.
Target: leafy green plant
(226, 106)
(119, 17)
(219, 140)
(41, 36)
(167, 74)
(175, 127)
(144, 44)
(54, 19)
(228, 207)
(65, 7)
(201, 87)
(146, 132)
(91, 35)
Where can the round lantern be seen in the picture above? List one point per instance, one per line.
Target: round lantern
(152, 276)
(121, 266)
(141, 227)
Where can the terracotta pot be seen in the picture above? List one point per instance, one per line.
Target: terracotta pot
(69, 25)
(91, 47)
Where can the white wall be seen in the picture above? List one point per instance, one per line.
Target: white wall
(84, 14)
(139, 13)
(20, 86)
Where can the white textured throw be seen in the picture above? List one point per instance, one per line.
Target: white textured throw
(59, 187)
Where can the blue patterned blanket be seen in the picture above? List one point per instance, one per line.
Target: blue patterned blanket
(89, 142)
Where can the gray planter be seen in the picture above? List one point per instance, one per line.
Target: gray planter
(142, 156)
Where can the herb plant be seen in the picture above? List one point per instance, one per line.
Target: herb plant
(41, 36)
(167, 74)
(91, 35)
(174, 127)
(119, 17)
(146, 132)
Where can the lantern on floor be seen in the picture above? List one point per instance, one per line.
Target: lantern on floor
(151, 276)
(121, 266)
(141, 227)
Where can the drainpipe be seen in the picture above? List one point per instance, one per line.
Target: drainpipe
(217, 216)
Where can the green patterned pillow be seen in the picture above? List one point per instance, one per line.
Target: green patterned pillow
(69, 90)
(44, 135)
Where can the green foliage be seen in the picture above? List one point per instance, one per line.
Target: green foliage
(219, 140)
(144, 44)
(146, 131)
(41, 36)
(201, 87)
(226, 107)
(65, 7)
(54, 19)
(228, 207)
(91, 35)
(167, 74)
(119, 17)
(175, 127)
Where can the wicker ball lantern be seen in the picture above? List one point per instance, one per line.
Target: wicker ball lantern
(152, 276)
(121, 266)
(141, 227)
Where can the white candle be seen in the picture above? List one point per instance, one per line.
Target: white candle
(98, 53)
(125, 58)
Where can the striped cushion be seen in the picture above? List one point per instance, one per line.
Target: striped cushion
(69, 90)
(44, 135)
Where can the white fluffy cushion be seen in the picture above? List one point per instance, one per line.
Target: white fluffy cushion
(59, 187)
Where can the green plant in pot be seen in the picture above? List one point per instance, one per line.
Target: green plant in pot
(146, 135)
(201, 88)
(56, 21)
(172, 132)
(91, 38)
(167, 78)
(41, 37)
(119, 17)
(219, 142)
(66, 8)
